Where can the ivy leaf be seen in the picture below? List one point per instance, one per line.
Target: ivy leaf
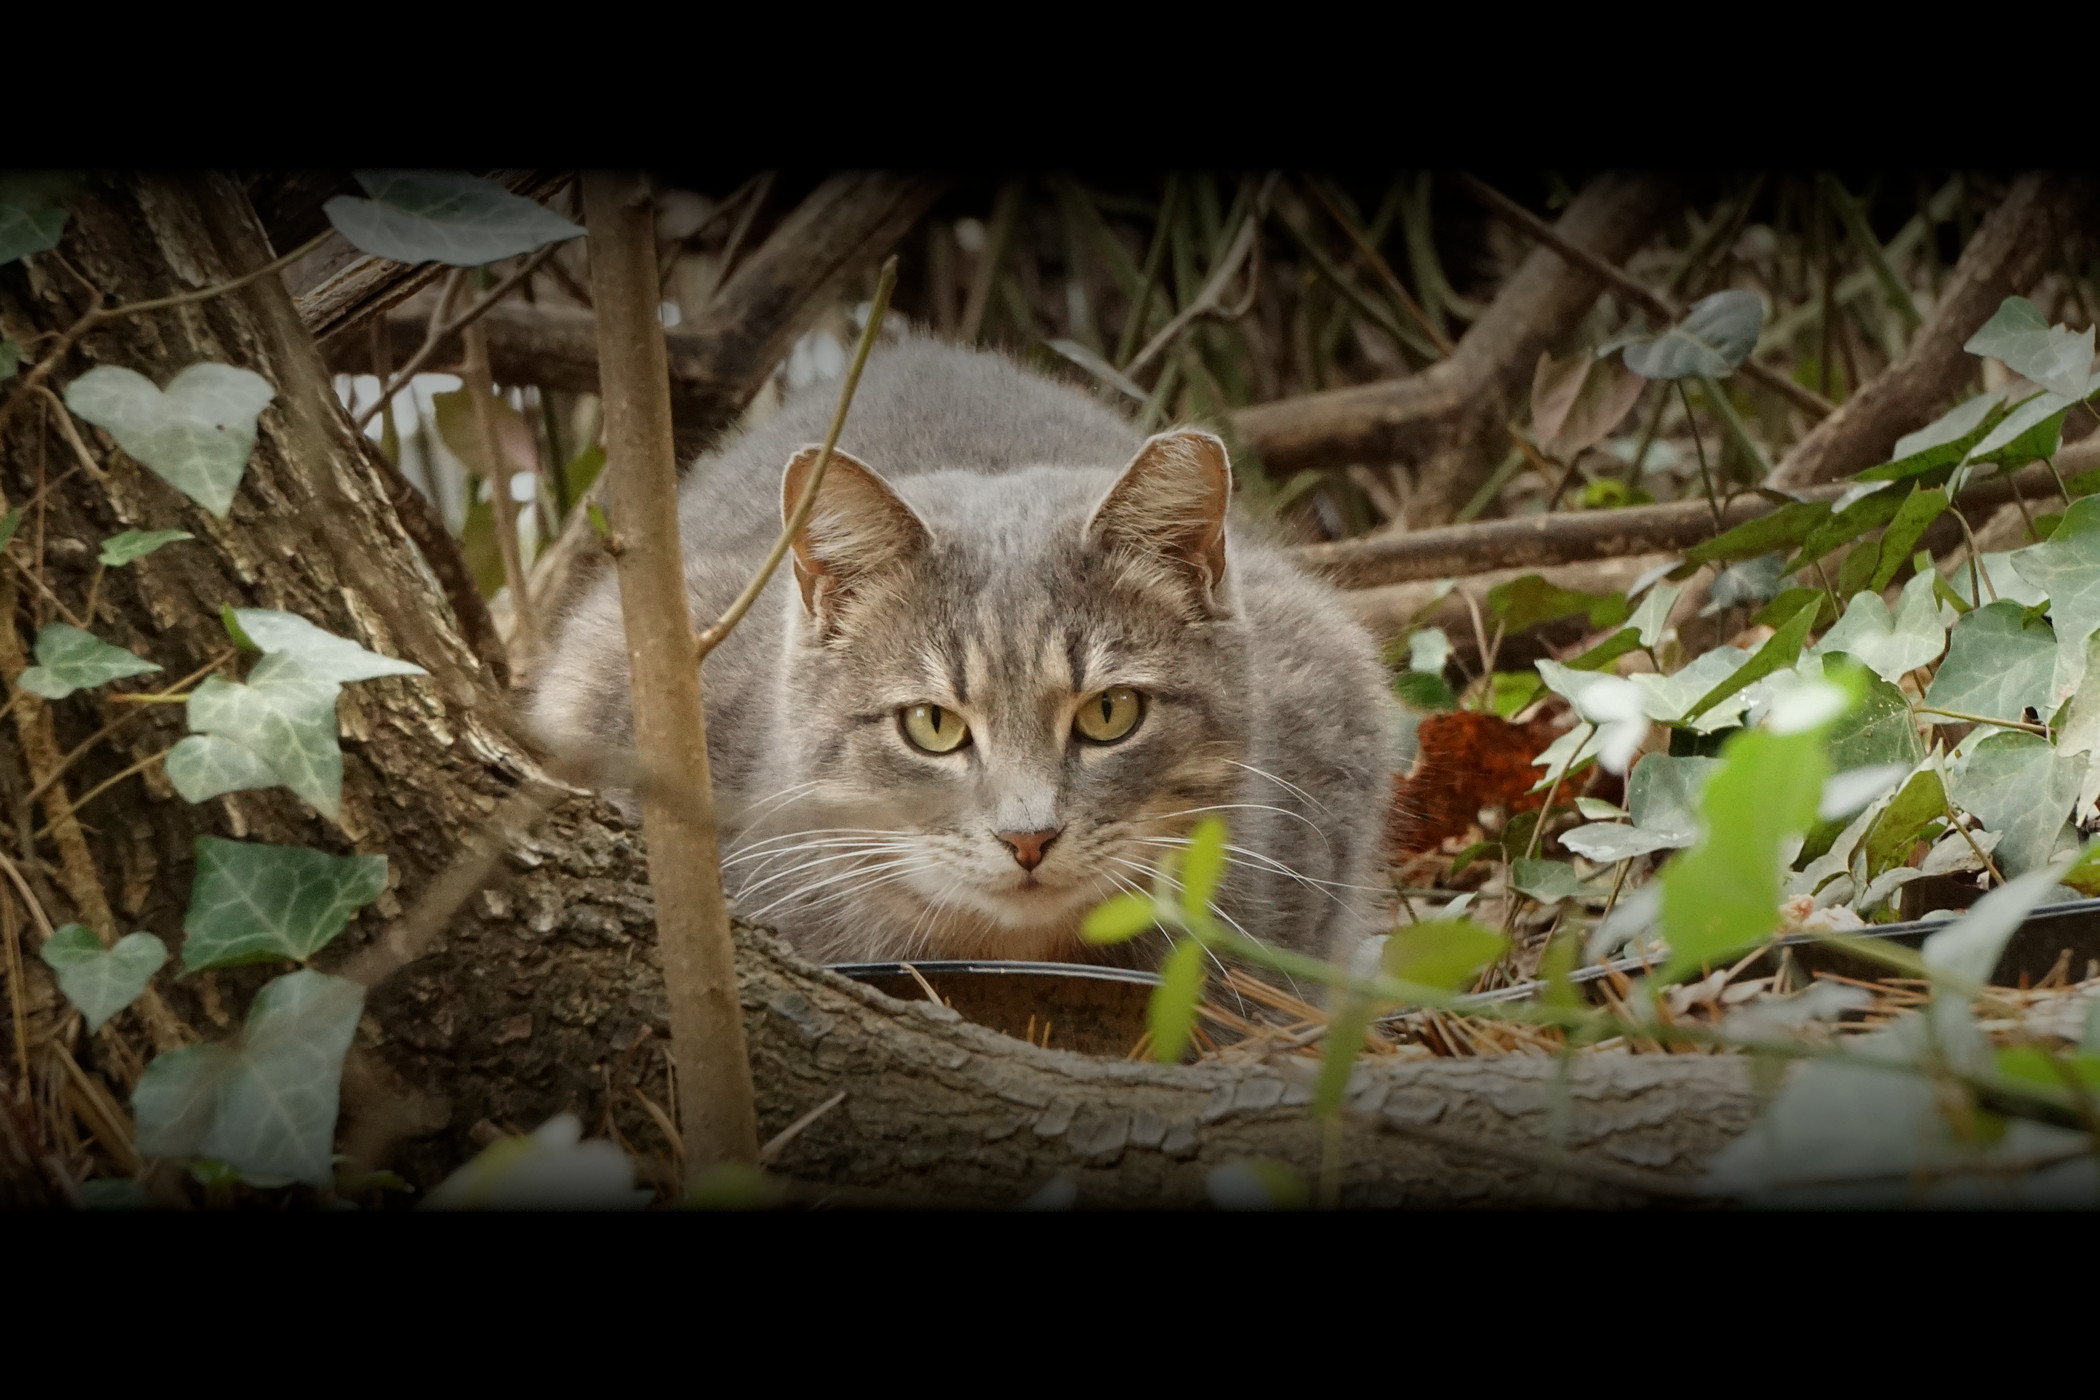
(1172, 1012)
(1778, 653)
(196, 435)
(30, 219)
(1716, 335)
(1918, 510)
(1118, 920)
(2051, 356)
(252, 902)
(1443, 953)
(268, 1107)
(1917, 805)
(69, 659)
(1607, 651)
(2018, 786)
(1999, 662)
(284, 716)
(1890, 644)
(2067, 568)
(1662, 798)
(1524, 603)
(1428, 649)
(1424, 690)
(204, 766)
(1844, 526)
(119, 550)
(2033, 429)
(1547, 881)
(1789, 525)
(1748, 581)
(2078, 731)
(418, 216)
(320, 653)
(1723, 894)
(1941, 443)
(1511, 691)
(102, 981)
(1666, 698)
(1653, 614)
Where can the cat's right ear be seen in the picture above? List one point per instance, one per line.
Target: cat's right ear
(858, 529)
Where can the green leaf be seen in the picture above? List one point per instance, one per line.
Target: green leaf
(1943, 442)
(461, 220)
(1547, 881)
(583, 470)
(1722, 896)
(1920, 803)
(1792, 600)
(2067, 569)
(69, 659)
(1843, 527)
(1600, 656)
(232, 625)
(2033, 429)
(102, 981)
(1172, 1013)
(196, 435)
(2017, 786)
(1524, 603)
(269, 1106)
(1662, 797)
(1789, 525)
(1120, 919)
(1511, 691)
(595, 513)
(1443, 953)
(1345, 1041)
(1918, 510)
(1203, 867)
(1423, 690)
(30, 219)
(203, 767)
(119, 550)
(2051, 356)
(10, 358)
(1999, 662)
(1653, 615)
(2084, 875)
(1890, 644)
(252, 902)
(1778, 653)
(284, 716)
(1716, 335)
(553, 1168)
(320, 653)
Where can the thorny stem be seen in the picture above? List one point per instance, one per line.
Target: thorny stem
(710, 637)
(1705, 478)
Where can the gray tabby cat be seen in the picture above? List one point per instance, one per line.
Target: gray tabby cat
(1020, 653)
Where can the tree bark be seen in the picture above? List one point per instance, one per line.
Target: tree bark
(1449, 421)
(545, 992)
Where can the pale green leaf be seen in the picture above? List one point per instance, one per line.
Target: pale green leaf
(1999, 662)
(1547, 881)
(204, 766)
(119, 550)
(2001, 578)
(1666, 698)
(1442, 953)
(196, 435)
(1890, 644)
(320, 653)
(102, 981)
(69, 659)
(1944, 441)
(252, 902)
(1120, 919)
(1716, 335)
(2078, 731)
(1775, 655)
(1654, 612)
(1662, 795)
(1971, 946)
(418, 216)
(1172, 1013)
(1428, 649)
(285, 716)
(268, 1107)
(2018, 786)
(2067, 568)
(2052, 356)
(552, 1168)
(2033, 429)
(1203, 866)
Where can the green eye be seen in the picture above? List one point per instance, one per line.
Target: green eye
(933, 729)
(1108, 715)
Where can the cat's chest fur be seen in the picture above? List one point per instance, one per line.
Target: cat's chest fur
(1013, 561)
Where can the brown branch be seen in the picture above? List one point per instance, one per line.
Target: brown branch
(1535, 541)
(715, 1098)
(1449, 420)
(2013, 246)
(1511, 212)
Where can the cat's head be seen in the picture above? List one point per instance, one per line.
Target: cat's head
(1008, 697)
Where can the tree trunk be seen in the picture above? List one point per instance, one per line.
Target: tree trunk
(545, 992)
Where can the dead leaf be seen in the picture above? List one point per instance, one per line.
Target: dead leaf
(1575, 403)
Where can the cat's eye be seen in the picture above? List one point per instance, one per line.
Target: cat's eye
(1109, 715)
(934, 728)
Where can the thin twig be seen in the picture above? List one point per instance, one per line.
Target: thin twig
(1207, 300)
(778, 1143)
(1384, 270)
(1705, 477)
(98, 789)
(1983, 719)
(709, 637)
(137, 308)
(439, 334)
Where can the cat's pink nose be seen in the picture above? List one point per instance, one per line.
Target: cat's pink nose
(1028, 846)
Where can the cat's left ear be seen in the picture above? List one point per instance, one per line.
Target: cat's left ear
(858, 530)
(1169, 506)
